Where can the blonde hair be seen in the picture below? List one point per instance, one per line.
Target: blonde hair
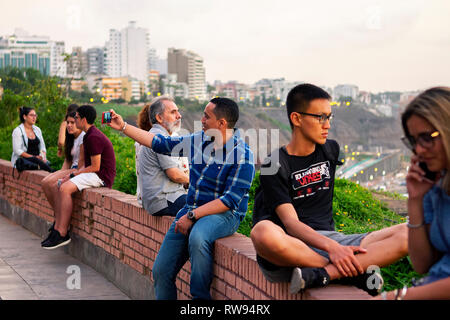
(434, 106)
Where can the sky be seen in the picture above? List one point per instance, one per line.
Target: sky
(395, 45)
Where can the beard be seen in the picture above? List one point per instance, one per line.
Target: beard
(172, 126)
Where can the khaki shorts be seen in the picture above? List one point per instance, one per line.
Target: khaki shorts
(87, 180)
(275, 273)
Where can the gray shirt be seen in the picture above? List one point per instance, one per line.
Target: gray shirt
(156, 187)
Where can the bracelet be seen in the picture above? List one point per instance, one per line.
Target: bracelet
(124, 126)
(414, 226)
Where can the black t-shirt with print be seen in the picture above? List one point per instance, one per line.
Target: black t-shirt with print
(305, 181)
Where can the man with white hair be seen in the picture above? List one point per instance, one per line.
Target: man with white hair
(161, 177)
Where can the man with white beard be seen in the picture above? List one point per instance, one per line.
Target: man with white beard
(162, 178)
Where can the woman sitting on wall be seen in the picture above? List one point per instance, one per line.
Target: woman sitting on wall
(74, 157)
(427, 133)
(62, 130)
(28, 142)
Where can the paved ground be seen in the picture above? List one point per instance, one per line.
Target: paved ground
(28, 272)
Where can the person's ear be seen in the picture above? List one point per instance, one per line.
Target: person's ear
(159, 118)
(223, 124)
(296, 119)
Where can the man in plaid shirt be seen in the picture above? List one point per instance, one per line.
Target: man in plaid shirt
(221, 172)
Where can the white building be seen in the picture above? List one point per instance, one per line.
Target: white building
(345, 90)
(384, 109)
(113, 54)
(156, 63)
(38, 52)
(173, 88)
(57, 65)
(126, 53)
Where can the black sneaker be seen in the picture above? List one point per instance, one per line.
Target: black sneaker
(52, 227)
(50, 230)
(305, 278)
(55, 240)
(372, 283)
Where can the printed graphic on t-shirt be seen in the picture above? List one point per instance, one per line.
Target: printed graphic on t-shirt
(308, 181)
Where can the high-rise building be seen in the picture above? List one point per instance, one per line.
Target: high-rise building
(58, 67)
(38, 52)
(126, 52)
(77, 66)
(113, 54)
(188, 66)
(95, 60)
(135, 43)
(155, 63)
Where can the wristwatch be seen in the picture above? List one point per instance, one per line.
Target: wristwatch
(71, 175)
(191, 216)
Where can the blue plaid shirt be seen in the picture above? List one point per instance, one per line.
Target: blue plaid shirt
(224, 174)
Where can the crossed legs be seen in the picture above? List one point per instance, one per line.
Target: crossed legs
(65, 205)
(51, 191)
(273, 244)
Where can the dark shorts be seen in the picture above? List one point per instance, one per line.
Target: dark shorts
(172, 207)
(275, 273)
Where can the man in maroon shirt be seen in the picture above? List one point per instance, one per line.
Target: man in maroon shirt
(99, 170)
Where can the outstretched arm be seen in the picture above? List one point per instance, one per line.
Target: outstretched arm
(143, 137)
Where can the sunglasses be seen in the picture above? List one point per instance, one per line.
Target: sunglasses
(321, 117)
(425, 140)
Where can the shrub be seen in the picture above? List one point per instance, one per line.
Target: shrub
(27, 87)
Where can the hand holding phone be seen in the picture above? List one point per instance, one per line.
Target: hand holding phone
(430, 175)
(106, 117)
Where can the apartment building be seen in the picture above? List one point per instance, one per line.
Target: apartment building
(188, 66)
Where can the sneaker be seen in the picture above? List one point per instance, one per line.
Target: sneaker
(50, 230)
(372, 283)
(55, 240)
(305, 278)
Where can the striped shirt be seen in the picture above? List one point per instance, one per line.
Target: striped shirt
(224, 174)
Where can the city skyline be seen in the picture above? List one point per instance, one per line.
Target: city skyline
(378, 45)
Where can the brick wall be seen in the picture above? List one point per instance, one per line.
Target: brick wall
(115, 222)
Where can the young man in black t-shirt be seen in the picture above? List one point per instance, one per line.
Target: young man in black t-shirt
(293, 229)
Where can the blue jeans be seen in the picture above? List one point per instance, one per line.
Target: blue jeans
(177, 248)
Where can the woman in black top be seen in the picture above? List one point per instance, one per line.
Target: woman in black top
(28, 141)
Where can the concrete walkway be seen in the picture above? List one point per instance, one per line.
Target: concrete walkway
(28, 272)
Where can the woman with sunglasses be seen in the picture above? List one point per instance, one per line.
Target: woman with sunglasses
(427, 133)
(28, 141)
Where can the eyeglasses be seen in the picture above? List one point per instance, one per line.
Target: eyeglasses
(425, 140)
(33, 115)
(321, 117)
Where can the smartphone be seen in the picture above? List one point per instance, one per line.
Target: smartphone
(430, 175)
(106, 117)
